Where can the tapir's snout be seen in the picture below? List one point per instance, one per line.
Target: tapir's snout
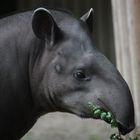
(125, 113)
(119, 101)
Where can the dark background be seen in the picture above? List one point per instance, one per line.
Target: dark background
(103, 30)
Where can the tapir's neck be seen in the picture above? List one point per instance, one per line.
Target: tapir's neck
(35, 50)
(19, 59)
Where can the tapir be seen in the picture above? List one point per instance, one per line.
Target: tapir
(48, 63)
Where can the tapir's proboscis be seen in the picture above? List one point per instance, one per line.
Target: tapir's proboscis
(48, 63)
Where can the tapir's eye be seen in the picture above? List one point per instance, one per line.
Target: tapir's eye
(81, 75)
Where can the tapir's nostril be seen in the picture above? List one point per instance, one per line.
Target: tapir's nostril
(125, 129)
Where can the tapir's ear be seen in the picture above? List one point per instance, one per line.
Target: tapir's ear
(88, 18)
(45, 27)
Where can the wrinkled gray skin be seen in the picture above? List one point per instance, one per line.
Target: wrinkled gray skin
(48, 63)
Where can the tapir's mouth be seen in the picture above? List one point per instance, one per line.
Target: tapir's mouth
(123, 129)
(103, 112)
(104, 106)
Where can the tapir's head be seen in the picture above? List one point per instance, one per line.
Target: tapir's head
(74, 72)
